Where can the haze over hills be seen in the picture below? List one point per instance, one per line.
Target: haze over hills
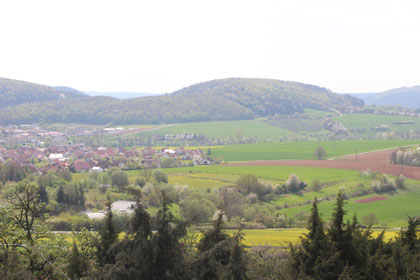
(14, 92)
(121, 95)
(224, 99)
(408, 97)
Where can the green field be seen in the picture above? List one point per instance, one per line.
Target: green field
(303, 150)
(368, 121)
(224, 129)
(393, 211)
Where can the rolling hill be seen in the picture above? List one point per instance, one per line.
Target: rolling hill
(408, 97)
(14, 92)
(225, 99)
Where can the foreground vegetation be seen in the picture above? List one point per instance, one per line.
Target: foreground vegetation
(337, 250)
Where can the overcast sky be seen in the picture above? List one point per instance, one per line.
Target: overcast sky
(161, 46)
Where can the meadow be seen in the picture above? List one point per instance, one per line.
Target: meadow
(303, 150)
(393, 211)
(368, 121)
(223, 129)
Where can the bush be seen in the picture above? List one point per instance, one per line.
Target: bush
(160, 177)
(292, 185)
(316, 185)
(140, 182)
(197, 210)
(400, 181)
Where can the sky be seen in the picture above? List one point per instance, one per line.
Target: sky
(161, 46)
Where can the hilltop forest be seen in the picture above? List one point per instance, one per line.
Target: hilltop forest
(226, 99)
(13, 92)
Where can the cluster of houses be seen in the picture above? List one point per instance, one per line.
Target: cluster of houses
(154, 157)
(82, 158)
(33, 135)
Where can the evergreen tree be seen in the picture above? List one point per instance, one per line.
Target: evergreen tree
(77, 265)
(61, 196)
(237, 268)
(311, 258)
(134, 254)
(168, 260)
(108, 236)
(213, 236)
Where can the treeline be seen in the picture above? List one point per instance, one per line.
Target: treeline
(13, 92)
(228, 99)
(161, 247)
(405, 157)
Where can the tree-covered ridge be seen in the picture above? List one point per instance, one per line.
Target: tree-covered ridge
(14, 92)
(268, 96)
(228, 99)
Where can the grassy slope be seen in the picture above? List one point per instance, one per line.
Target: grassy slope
(392, 211)
(224, 129)
(368, 121)
(303, 150)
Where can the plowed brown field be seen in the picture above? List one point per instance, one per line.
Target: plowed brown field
(376, 161)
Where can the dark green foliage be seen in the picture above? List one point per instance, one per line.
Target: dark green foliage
(119, 179)
(411, 236)
(78, 264)
(71, 194)
(140, 181)
(167, 255)
(13, 172)
(221, 256)
(160, 177)
(108, 236)
(213, 236)
(196, 211)
(345, 251)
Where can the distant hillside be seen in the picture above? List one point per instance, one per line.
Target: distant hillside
(14, 92)
(227, 99)
(70, 90)
(408, 97)
(120, 95)
(267, 96)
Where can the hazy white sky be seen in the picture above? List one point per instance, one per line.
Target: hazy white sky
(161, 46)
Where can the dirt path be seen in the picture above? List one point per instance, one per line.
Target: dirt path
(376, 161)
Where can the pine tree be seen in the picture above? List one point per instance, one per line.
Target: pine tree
(77, 265)
(108, 236)
(134, 253)
(311, 259)
(237, 268)
(168, 260)
(213, 236)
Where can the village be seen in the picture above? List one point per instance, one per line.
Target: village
(42, 150)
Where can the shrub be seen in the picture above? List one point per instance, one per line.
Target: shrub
(160, 177)
(400, 181)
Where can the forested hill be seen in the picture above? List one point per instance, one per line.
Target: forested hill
(14, 92)
(227, 99)
(268, 96)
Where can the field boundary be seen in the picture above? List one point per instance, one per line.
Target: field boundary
(381, 150)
